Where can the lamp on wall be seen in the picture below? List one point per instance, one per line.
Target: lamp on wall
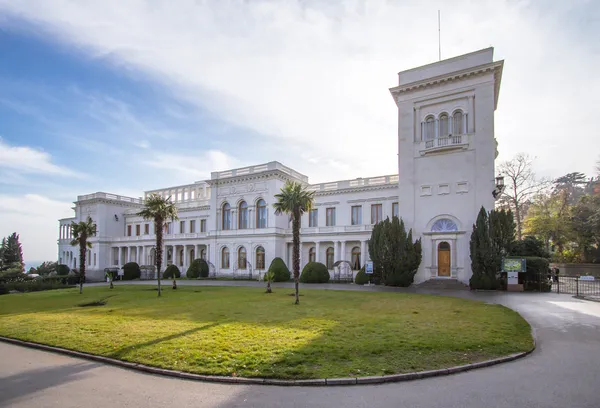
(116, 217)
(499, 187)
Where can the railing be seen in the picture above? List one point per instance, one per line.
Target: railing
(578, 286)
(108, 196)
(444, 141)
(334, 229)
(258, 169)
(359, 182)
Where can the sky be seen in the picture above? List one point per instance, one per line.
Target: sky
(127, 96)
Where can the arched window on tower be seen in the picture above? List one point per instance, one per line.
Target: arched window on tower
(443, 122)
(457, 123)
(429, 128)
(226, 216)
(261, 214)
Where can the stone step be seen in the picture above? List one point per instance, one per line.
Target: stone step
(443, 284)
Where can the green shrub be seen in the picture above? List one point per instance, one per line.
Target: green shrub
(280, 271)
(537, 270)
(314, 272)
(172, 271)
(361, 277)
(62, 270)
(36, 285)
(131, 270)
(198, 269)
(529, 246)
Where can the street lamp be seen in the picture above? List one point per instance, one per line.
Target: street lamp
(499, 186)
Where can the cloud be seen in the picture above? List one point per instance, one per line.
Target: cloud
(28, 160)
(35, 219)
(313, 76)
(197, 167)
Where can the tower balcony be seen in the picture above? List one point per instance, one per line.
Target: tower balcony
(446, 143)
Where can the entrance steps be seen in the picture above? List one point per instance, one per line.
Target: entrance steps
(434, 283)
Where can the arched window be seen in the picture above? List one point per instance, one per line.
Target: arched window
(225, 258)
(192, 255)
(444, 225)
(261, 214)
(312, 255)
(243, 216)
(329, 258)
(356, 258)
(429, 128)
(242, 264)
(203, 254)
(226, 216)
(181, 257)
(457, 123)
(444, 130)
(260, 258)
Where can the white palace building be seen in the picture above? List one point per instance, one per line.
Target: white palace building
(446, 153)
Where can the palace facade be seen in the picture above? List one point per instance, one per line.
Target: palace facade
(446, 153)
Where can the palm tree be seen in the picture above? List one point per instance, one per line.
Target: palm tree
(294, 200)
(159, 209)
(81, 231)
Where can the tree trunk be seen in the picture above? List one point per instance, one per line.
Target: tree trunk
(174, 282)
(158, 226)
(82, 253)
(110, 278)
(296, 251)
(269, 286)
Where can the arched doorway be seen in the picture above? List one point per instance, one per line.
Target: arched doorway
(444, 259)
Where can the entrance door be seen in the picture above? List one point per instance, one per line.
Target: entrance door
(444, 259)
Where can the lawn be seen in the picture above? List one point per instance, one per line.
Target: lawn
(237, 331)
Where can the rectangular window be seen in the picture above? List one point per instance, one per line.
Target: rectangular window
(202, 225)
(330, 217)
(137, 230)
(129, 230)
(313, 218)
(168, 228)
(89, 257)
(376, 213)
(193, 226)
(395, 210)
(356, 215)
(146, 229)
(94, 259)
(181, 227)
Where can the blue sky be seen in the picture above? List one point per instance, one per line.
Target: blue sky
(124, 97)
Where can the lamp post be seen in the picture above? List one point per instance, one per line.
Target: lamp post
(499, 186)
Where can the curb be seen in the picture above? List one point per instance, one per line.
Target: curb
(271, 381)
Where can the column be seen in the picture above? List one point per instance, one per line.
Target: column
(143, 255)
(208, 253)
(128, 256)
(343, 252)
(119, 256)
(451, 124)
(335, 250)
(185, 256)
(471, 115)
(174, 255)
(437, 128)
(317, 250)
(363, 252)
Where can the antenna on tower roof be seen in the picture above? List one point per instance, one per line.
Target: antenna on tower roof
(439, 36)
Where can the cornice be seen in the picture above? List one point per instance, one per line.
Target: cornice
(356, 189)
(268, 175)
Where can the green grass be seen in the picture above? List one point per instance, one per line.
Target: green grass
(238, 331)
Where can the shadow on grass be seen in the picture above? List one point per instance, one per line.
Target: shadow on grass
(119, 354)
(22, 384)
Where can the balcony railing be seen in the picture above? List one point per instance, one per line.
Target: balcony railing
(446, 142)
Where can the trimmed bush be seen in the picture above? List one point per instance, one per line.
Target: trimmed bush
(314, 272)
(131, 270)
(62, 270)
(36, 285)
(198, 269)
(280, 271)
(537, 270)
(361, 277)
(171, 271)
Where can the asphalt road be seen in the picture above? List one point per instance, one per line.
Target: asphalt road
(564, 371)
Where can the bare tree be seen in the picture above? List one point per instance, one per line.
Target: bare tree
(521, 185)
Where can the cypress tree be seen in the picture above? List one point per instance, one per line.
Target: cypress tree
(12, 253)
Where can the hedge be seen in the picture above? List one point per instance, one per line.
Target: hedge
(281, 273)
(172, 271)
(198, 269)
(62, 270)
(36, 285)
(361, 277)
(131, 270)
(314, 272)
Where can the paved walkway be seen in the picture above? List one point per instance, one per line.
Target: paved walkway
(564, 371)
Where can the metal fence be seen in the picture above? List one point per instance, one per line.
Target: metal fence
(576, 286)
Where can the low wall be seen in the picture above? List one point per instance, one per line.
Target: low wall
(578, 269)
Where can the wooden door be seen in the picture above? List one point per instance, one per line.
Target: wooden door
(444, 259)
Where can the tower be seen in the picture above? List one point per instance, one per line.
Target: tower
(446, 153)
